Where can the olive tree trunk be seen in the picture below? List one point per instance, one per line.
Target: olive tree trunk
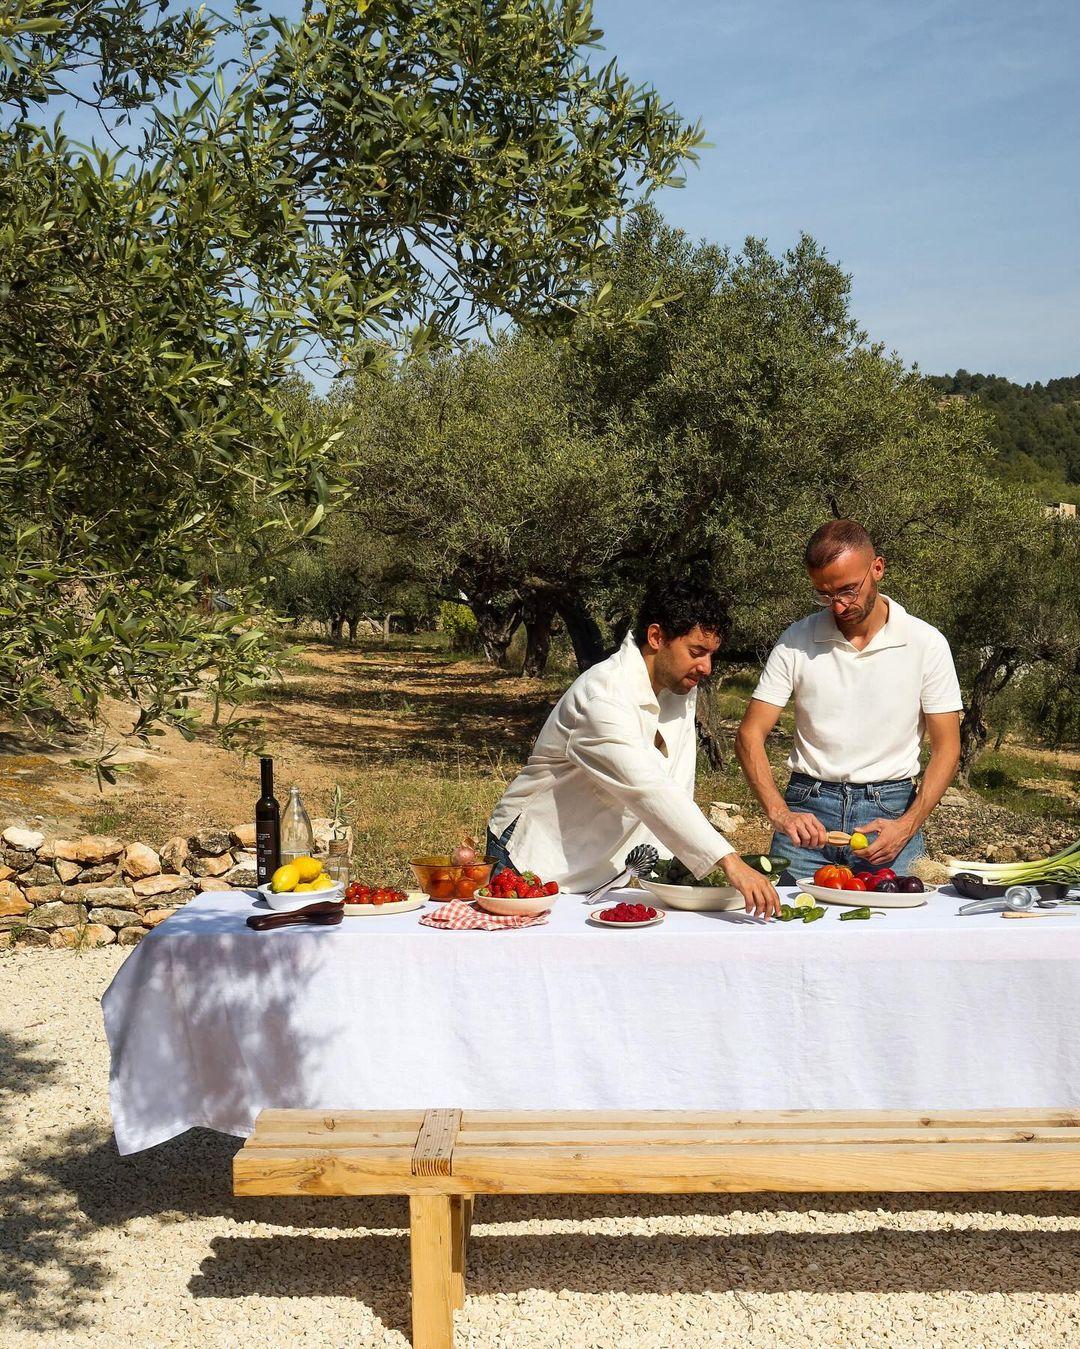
(496, 624)
(584, 631)
(997, 669)
(539, 619)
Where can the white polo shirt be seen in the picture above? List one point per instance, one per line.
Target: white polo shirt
(859, 715)
(596, 784)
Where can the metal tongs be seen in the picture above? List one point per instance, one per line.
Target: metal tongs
(1016, 899)
(639, 861)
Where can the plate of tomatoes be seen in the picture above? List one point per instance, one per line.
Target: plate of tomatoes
(517, 893)
(882, 888)
(362, 901)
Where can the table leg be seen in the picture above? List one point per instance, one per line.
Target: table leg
(431, 1245)
(461, 1222)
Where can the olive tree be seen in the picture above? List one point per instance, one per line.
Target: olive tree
(368, 177)
(480, 460)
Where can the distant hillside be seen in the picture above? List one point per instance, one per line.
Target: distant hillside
(1036, 427)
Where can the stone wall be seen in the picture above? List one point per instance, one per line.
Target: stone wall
(92, 891)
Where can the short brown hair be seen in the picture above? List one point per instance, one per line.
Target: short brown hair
(832, 539)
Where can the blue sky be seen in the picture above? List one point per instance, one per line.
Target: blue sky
(930, 145)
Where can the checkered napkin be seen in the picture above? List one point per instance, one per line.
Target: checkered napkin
(457, 916)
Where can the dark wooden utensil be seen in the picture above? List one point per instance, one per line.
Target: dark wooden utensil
(322, 913)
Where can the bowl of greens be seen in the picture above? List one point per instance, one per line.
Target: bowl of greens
(678, 888)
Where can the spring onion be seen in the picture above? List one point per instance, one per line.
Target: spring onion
(1063, 867)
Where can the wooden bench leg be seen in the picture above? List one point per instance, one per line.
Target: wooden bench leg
(461, 1207)
(431, 1242)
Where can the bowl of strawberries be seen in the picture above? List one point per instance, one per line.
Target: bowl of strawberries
(517, 893)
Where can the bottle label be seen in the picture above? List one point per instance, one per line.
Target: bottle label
(266, 850)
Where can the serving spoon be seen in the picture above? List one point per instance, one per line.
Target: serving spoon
(321, 913)
(639, 861)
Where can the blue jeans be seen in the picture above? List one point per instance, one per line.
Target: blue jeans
(846, 806)
(497, 848)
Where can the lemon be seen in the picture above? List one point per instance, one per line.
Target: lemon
(307, 868)
(859, 842)
(321, 882)
(286, 878)
(804, 902)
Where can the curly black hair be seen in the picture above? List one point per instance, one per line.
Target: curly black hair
(679, 605)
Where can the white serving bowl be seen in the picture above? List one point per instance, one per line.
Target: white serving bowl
(289, 899)
(697, 898)
(513, 907)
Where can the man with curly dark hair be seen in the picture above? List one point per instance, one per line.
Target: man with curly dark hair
(615, 763)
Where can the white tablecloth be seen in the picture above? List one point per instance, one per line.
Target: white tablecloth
(209, 1022)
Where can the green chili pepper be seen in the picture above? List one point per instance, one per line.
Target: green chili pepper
(864, 912)
(812, 915)
(787, 913)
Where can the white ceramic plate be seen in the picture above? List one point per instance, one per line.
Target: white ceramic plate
(597, 921)
(855, 899)
(415, 899)
(289, 899)
(697, 898)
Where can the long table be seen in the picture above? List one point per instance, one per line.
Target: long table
(210, 1022)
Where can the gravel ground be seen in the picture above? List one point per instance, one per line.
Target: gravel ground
(152, 1249)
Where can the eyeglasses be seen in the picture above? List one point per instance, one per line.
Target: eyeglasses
(846, 594)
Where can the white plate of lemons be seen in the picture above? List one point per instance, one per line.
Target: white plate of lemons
(299, 882)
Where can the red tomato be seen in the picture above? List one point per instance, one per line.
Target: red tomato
(833, 883)
(885, 874)
(833, 872)
(854, 883)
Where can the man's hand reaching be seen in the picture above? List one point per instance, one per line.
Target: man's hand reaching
(804, 830)
(758, 892)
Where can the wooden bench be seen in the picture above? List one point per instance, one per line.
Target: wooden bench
(442, 1158)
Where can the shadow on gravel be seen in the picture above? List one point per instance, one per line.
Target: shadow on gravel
(374, 1269)
(45, 1252)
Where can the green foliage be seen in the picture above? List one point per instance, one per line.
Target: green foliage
(478, 462)
(760, 411)
(1034, 427)
(348, 574)
(372, 174)
(459, 624)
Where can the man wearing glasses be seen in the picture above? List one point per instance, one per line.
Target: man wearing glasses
(869, 680)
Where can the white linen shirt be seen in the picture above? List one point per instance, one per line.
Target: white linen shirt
(596, 785)
(859, 715)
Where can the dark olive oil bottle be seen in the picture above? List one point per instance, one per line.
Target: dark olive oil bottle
(267, 826)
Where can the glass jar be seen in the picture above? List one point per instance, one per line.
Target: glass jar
(336, 861)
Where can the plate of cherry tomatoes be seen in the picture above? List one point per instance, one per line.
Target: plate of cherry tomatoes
(881, 888)
(362, 901)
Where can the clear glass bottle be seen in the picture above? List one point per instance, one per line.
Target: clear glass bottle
(297, 835)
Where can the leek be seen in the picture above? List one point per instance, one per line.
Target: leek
(1063, 867)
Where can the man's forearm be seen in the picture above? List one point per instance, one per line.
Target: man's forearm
(750, 752)
(940, 771)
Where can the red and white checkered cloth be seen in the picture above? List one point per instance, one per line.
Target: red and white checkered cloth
(456, 916)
